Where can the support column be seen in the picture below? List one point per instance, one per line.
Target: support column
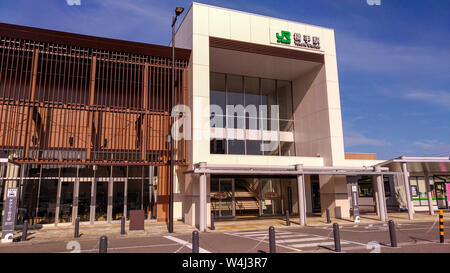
(151, 174)
(381, 197)
(93, 194)
(58, 203)
(430, 197)
(125, 197)
(202, 216)
(233, 200)
(301, 196)
(409, 202)
(58, 198)
(375, 195)
(110, 198)
(76, 190)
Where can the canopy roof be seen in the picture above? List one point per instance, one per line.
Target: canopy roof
(432, 165)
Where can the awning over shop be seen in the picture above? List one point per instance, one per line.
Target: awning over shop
(285, 170)
(432, 165)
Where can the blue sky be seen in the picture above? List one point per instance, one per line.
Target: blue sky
(393, 59)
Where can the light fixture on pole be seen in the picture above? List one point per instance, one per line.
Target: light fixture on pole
(178, 11)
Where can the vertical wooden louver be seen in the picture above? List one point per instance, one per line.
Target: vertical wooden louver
(68, 104)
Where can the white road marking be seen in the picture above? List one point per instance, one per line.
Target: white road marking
(267, 233)
(255, 239)
(317, 244)
(185, 243)
(302, 240)
(288, 236)
(123, 247)
(250, 232)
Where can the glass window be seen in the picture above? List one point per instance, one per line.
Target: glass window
(101, 199)
(217, 94)
(285, 99)
(271, 196)
(287, 125)
(118, 194)
(235, 92)
(287, 148)
(218, 146)
(366, 187)
(252, 97)
(254, 147)
(66, 202)
(84, 201)
(234, 122)
(217, 121)
(268, 95)
(134, 195)
(236, 147)
(271, 148)
(47, 201)
(252, 123)
(251, 102)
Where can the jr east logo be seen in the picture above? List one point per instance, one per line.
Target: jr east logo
(285, 37)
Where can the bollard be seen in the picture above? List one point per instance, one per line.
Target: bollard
(337, 237)
(441, 226)
(212, 221)
(103, 247)
(122, 225)
(272, 244)
(25, 230)
(328, 216)
(77, 228)
(392, 233)
(195, 242)
(288, 223)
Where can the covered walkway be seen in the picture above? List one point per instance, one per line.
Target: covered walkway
(424, 166)
(317, 221)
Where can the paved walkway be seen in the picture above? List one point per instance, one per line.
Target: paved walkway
(87, 231)
(66, 232)
(367, 218)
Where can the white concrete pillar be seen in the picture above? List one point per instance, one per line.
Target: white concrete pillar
(430, 197)
(202, 218)
(375, 195)
(409, 202)
(381, 195)
(301, 196)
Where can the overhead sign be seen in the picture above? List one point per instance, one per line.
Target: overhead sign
(221, 195)
(9, 218)
(271, 195)
(294, 39)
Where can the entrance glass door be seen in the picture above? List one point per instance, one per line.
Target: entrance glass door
(222, 197)
(271, 196)
(66, 202)
(315, 194)
(441, 196)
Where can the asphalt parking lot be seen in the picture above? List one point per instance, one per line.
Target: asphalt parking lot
(420, 237)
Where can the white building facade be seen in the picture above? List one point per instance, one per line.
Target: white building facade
(245, 59)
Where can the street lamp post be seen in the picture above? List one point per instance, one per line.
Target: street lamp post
(178, 11)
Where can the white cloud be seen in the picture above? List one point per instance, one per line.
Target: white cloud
(433, 147)
(385, 56)
(440, 98)
(73, 2)
(356, 138)
(353, 137)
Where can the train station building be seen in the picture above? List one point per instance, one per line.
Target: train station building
(84, 123)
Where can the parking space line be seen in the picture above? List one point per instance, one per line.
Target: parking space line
(317, 244)
(185, 243)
